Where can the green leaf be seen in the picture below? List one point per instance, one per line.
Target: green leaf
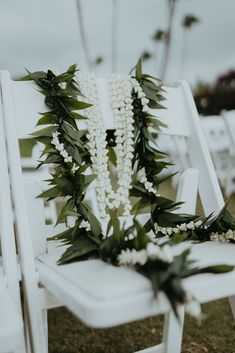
(67, 210)
(113, 223)
(138, 70)
(75, 104)
(33, 76)
(112, 156)
(95, 224)
(51, 193)
(46, 132)
(82, 247)
(88, 179)
(47, 118)
(78, 116)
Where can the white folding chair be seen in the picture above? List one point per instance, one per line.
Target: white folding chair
(176, 149)
(93, 290)
(11, 323)
(219, 145)
(229, 120)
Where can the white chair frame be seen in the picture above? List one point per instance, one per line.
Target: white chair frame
(11, 322)
(229, 119)
(42, 276)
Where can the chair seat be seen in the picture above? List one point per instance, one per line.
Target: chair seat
(11, 326)
(111, 295)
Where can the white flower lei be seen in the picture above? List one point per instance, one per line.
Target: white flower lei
(132, 257)
(121, 104)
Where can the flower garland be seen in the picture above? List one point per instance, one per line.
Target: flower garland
(121, 99)
(72, 152)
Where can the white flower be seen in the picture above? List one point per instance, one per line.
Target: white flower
(74, 168)
(68, 159)
(132, 257)
(55, 134)
(182, 227)
(190, 225)
(166, 254)
(152, 251)
(64, 154)
(193, 307)
(63, 85)
(198, 223)
(85, 224)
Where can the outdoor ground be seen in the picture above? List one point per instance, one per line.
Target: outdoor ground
(216, 333)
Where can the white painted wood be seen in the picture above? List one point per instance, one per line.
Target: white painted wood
(29, 165)
(218, 139)
(187, 190)
(229, 120)
(30, 285)
(173, 331)
(11, 323)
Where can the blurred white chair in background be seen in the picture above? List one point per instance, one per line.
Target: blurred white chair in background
(229, 119)
(176, 149)
(219, 144)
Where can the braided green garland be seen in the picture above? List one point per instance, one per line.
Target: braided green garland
(61, 94)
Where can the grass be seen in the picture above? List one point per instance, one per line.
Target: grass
(216, 333)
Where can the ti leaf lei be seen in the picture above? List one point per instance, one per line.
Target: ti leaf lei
(61, 94)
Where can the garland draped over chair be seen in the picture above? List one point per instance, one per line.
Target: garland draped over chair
(131, 156)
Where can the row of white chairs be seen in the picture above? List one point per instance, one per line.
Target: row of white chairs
(218, 130)
(96, 292)
(219, 133)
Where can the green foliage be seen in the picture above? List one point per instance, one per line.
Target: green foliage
(61, 98)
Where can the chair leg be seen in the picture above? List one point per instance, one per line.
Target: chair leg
(232, 305)
(173, 331)
(27, 338)
(37, 336)
(45, 325)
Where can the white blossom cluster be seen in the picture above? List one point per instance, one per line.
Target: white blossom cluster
(121, 103)
(193, 307)
(60, 147)
(179, 228)
(132, 257)
(86, 225)
(140, 94)
(141, 176)
(223, 237)
(96, 141)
